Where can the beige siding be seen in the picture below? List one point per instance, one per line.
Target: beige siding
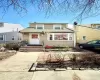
(91, 34)
(43, 38)
(63, 26)
(32, 25)
(26, 36)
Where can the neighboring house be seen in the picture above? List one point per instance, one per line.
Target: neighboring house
(10, 32)
(87, 33)
(52, 34)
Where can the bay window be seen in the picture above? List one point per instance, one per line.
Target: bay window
(71, 36)
(60, 36)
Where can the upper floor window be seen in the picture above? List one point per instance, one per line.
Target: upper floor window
(40, 27)
(57, 27)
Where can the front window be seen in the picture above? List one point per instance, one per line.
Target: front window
(60, 36)
(51, 37)
(1, 37)
(70, 36)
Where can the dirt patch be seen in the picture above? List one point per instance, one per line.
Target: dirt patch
(7, 54)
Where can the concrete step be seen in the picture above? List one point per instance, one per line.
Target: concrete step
(30, 49)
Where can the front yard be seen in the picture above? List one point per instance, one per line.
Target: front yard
(17, 67)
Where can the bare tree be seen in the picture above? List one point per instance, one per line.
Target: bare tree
(82, 7)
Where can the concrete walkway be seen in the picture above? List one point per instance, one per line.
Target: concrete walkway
(17, 66)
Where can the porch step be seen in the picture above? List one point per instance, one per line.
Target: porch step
(31, 49)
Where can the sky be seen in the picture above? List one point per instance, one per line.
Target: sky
(34, 15)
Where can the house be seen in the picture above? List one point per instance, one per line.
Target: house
(87, 32)
(10, 32)
(52, 34)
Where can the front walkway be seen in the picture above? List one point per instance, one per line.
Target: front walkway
(17, 66)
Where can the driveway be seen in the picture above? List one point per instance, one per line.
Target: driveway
(17, 66)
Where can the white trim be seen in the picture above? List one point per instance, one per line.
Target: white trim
(41, 26)
(4, 37)
(74, 40)
(55, 25)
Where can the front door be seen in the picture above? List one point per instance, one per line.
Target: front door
(34, 38)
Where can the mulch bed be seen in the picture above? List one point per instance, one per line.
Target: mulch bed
(53, 61)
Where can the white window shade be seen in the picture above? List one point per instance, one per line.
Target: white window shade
(40, 27)
(60, 36)
(57, 27)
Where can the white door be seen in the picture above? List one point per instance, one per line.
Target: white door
(34, 38)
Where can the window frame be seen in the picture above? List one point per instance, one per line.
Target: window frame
(2, 37)
(48, 37)
(39, 25)
(13, 38)
(83, 38)
(56, 26)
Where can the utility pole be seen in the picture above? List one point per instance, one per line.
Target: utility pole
(75, 34)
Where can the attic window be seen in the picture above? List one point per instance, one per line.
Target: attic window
(39, 27)
(57, 27)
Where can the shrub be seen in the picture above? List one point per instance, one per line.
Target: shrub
(23, 43)
(48, 47)
(12, 46)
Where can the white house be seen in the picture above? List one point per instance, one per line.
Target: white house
(9, 32)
